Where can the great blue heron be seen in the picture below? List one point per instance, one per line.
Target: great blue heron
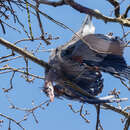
(80, 62)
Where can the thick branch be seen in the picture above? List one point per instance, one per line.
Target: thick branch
(24, 53)
(118, 110)
(126, 12)
(96, 14)
(117, 7)
(53, 3)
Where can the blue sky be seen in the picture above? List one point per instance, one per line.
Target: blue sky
(57, 115)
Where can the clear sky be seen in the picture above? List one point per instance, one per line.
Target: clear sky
(57, 115)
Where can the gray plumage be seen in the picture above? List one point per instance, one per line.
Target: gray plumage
(63, 70)
(80, 62)
(103, 52)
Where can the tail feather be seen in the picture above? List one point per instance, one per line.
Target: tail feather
(75, 95)
(123, 73)
(114, 64)
(117, 68)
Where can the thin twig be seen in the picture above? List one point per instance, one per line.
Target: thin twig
(10, 69)
(28, 111)
(6, 60)
(9, 128)
(29, 19)
(13, 120)
(3, 57)
(11, 84)
(98, 123)
(39, 19)
(36, 120)
(83, 115)
(124, 84)
(27, 39)
(127, 124)
(40, 24)
(126, 12)
(10, 26)
(80, 111)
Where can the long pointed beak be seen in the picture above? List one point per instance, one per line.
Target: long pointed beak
(49, 90)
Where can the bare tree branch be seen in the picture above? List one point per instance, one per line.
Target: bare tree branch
(80, 111)
(126, 12)
(98, 117)
(116, 4)
(127, 124)
(24, 53)
(8, 69)
(13, 120)
(115, 109)
(33, 8)
(11, 83)
(29, 111)
(96, 14)
(6, 60)
(52, 3)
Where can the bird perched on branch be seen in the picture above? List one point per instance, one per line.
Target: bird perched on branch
(76, 67)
